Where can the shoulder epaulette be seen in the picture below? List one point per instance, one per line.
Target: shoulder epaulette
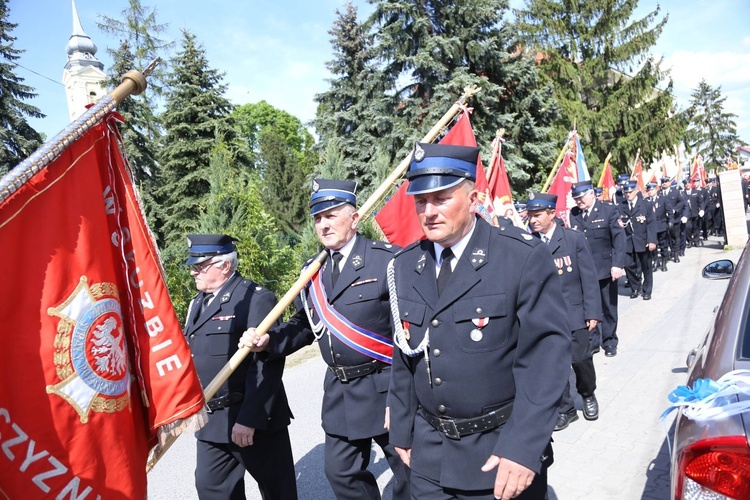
(518, 234)
(251, 284)
(383, 245)
(408, 247)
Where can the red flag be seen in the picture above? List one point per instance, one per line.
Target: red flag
(638, 176)
(398, 218)
(499, 187)
(698, 171)
(93, 358)
(607, 182)
(564, 179)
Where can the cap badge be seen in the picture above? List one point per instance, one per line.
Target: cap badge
(315, 186)
(532, 195)
(418, 153)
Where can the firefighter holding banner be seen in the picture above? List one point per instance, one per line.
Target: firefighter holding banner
(346, 309)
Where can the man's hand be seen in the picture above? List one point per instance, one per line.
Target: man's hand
(701, 213)
(405, 454)
(683, 220)
(650, 247)
(242, 436)
(253, 342)
(511, 479)
(617, 273)
(591, 323)
(387, 423)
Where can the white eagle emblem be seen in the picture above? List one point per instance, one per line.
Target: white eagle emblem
(418, 152)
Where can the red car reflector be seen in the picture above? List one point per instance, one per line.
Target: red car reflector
(720, 464)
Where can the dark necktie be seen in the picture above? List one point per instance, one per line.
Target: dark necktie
(337, 256)
(545, 239)
(630, 206)
(206, 300)
(585, 215)
(445, 270)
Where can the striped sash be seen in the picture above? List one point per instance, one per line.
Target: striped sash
(361, 340)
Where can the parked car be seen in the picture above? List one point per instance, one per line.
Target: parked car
(711, 460)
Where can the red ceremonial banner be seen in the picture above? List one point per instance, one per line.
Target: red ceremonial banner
(607, 182)
(398, 218)
(93, 357)
(566, 176)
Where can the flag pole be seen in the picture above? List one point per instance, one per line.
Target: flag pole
(601, 176)
(495, 151)
(310, 272)
(368, 206)
(133, 83)
(635, 162)
(554, 168)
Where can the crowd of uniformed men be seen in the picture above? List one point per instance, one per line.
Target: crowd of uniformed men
(452, 354)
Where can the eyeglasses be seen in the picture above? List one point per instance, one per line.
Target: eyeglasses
(203, 266)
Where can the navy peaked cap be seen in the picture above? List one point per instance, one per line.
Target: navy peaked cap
(204, 246)
(580, 188)
(328, 194)
(629, 186)
(435, 167)
(541, 201)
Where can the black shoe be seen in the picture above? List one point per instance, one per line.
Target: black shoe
(610, 351)
(594, 350)
(590, 408)
(565, 419)
(676, 258)
(682, 253)
(634, 294)
(646, 296)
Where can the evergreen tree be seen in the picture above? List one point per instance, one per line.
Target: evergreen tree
(18, 138)
(712, 132)
(352, 112)
(197, 118)
(433, 49)
(589, 49)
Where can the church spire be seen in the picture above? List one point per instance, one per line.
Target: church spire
(81, 49)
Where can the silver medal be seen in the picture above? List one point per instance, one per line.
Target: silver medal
(476, 335)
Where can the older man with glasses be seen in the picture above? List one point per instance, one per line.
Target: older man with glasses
(249, 415)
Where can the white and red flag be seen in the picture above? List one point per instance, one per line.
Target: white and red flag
(93, 361)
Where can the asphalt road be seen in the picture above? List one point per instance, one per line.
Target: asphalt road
(622, 455)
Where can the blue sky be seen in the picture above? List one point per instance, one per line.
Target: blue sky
(276, 50)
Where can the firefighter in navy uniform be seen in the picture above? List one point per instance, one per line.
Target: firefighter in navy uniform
(249, 415)
(483, 344)
(606, 238)
(580, 286)
(640, 228)
(674, 205)
(660, 213)
(354, 333)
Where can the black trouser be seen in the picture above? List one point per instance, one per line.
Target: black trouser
(640, 260)
(693, 230)
(583, 366)
(683, 236)
(425, 488)
(346, 464)
(674, 238)
(608, 326)
(220, 468)
(663, 243)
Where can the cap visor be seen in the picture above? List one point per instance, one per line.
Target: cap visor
(431, 183)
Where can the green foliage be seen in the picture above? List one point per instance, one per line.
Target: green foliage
(712, 132)
(604, 79)
(432, 50)
(17, 137)
(196, 119)
(253, 118)
(234, 206)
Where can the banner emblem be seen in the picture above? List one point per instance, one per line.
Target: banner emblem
(91, 354)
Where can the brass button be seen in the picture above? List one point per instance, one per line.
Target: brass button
(441, 408)
(479, 310)
(360, 295)
(338, 356)
(406, 314)
(436, 353)
(435, 323)
(438, 381)
(219, 328)
(192, 335)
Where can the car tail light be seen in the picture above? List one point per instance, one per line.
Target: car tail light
(711, 466)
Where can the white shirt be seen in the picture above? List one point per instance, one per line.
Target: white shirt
(457, 249)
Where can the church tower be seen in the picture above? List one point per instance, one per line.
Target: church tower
(83, 74)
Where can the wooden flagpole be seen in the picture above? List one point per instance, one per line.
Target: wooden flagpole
(364, 211)
(554, 168)
(632, 168)
(495, 151)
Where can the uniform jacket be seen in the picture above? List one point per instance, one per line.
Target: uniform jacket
(640, 225)
(577, 270)
(213, 337)
(354, 409)
(604, 235)
(694, 202)
(523, 354)
(714, 196)
(660, 213)
(674, 204)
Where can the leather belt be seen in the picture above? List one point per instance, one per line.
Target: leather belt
(224, 401)
(456, 428)
(347, 373)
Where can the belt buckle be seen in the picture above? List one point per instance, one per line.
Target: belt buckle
(208, 408)
(448, 427)
(340, 373)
